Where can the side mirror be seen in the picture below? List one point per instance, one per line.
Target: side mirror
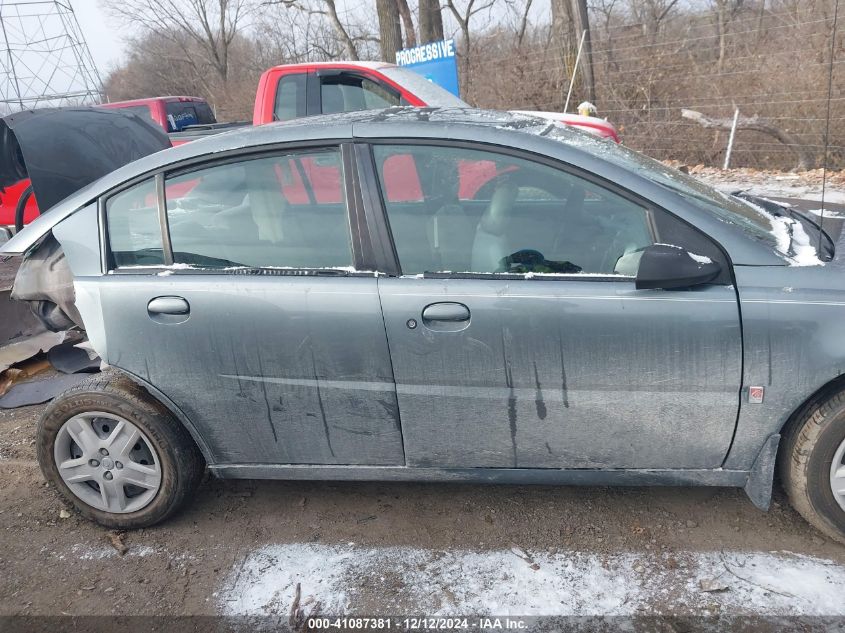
(667, 267)
(5, 235)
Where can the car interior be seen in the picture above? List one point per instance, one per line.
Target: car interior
(525, 218)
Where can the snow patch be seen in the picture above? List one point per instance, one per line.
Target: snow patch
(701, 259)
(827, 213)
(789, 234)
(778, 189)
(348, 579)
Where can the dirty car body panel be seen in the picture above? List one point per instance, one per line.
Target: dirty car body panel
(370, 371)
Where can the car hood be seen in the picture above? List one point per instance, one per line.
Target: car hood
(63, 149)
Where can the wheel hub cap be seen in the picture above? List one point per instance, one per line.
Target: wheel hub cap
(107, 462)
(837, 475)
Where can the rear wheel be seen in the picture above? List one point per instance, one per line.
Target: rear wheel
(117, 454)
(812, 465)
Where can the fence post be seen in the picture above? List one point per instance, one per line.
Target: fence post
(731, 140)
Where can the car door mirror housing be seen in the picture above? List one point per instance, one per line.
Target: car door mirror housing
(669, 267)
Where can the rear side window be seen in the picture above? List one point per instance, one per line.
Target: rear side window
(290, 97)
(133, 229)
(142, 111)
(284, 211)
(350, 93)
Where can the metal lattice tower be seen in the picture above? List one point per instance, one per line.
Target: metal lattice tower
(44, 60)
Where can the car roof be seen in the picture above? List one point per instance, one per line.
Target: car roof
(399, 121)
(334, 64)
(149, 100)
(506, 130)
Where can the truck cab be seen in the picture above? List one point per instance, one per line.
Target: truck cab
(292, 91)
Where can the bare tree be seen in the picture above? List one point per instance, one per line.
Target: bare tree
(651, 13)
(293, 34)
(431, 21)
(390, 31)
(756, 124)
(725, 11)
(210, 25)
(463, 11)
(587, 58)
(563, 39)
(407, 23)
(328, 10)
(520, 9)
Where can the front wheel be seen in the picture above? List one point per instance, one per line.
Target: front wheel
(812, 465)
(116, 454)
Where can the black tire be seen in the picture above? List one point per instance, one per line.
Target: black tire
(807, 452)
(181, 462)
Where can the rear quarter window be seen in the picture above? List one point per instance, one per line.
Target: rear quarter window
(134, 232)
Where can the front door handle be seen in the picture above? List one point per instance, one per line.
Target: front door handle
(168, 305)
(447, 311)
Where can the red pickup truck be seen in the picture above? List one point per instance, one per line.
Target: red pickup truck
(172, 114)
(296, 90)
(293, 91)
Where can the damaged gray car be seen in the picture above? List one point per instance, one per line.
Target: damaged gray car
(438, 295)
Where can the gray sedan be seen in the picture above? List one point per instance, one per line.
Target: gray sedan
(442, 295)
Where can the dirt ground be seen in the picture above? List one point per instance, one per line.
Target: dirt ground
(52, 565)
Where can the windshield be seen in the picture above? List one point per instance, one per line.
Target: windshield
(763, 224)
(428, 91)
(725, 206)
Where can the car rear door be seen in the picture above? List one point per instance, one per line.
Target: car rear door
(246, 310)
(516, 333)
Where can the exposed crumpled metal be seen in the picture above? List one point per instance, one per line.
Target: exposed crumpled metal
(45, 280)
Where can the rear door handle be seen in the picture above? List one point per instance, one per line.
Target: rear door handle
(447, 311)
(168, 305)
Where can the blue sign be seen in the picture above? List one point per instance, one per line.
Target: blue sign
(435, 61)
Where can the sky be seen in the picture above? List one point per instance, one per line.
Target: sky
(102, 33)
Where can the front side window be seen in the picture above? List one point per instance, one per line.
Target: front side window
(283, 211)
(350, 93)
(463, 210)
(133, 228)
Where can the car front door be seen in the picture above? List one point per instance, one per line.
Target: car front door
(516, 333)
(247, 312)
